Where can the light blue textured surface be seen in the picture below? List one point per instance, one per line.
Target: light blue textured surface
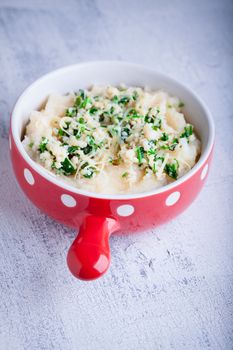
(170, 288)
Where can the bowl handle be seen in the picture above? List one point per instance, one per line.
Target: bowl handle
(89, 255)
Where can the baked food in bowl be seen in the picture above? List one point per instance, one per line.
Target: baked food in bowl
(98, 214)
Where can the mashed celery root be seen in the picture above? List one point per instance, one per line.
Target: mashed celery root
(113, 140)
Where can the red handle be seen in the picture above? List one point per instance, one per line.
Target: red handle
(89, 256)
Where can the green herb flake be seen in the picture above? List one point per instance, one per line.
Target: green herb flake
(87, 149)
(188, 131)
(84, 165)
(43, 145)
(115, 99)
(67, 167)
(124, 100)
(164, 137)
(181, 104)
(89, 172)
(78, 102)
(159, 158)
(174, 144)
(60, 132)
(82, 93)
(125, 132)
(71, 112)
(135, 95)
(91, 145)
(72, 149)
(149, 119)
(157, 125)
(171, 169)
(112, 109)
(31, 144)
(133, 114)
(151, 152)
(85, 102)
(152, 142)
(164, 147)
(140, 154)
(93, 110)
(81, 121)
(154, 168)
(125, 174)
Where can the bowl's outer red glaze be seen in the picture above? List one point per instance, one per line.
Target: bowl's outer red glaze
(123, 215)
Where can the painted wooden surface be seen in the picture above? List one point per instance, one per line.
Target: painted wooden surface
(170, 288)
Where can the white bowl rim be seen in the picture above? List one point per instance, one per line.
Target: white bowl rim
(129, 196)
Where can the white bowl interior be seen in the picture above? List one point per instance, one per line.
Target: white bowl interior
(72, 78)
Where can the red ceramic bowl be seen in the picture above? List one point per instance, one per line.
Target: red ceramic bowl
(97, 216)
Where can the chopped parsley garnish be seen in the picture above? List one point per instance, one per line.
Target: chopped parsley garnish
(134, 114)
(91, 145)
(151, 152)
(171, 169)
(72, 149)
(181, 104)
(43, 145)
(112, 109)
(152, 142)
(188, 131)
(60, 132)
(81, 120)
(78, 102)
(164, 137)
(114, 130)
(159, 158)
(125, 174)
(115, 99)
(140, 154)
(85, 102)
(82, 93)
(149, 119)
(135, 95)
(71, 112)
(157, 124)
(87, 149)
(125, 133)
(31, 144)
(124, 100)
(68, 167)
(164, 146)
(84, 165)
(88, 171)
(93, 110)
(174, 144)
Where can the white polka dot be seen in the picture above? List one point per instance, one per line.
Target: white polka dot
(204, 172)
(68, 200)
(10, 142)
(29, 177)
(172, 198)
(125, 210)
